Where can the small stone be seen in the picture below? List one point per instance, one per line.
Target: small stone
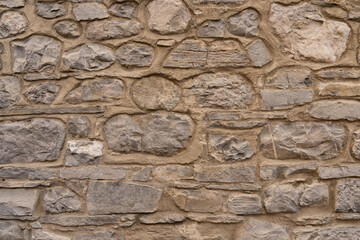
(218, 218)
(163, 217)
(81, 152)
(336, 12)
(143, 175)
(99, 172)
(90, 57)
(234, 187)
(339, 171)
(244, 204)
(12, 3)
(276, 99)
(90, 11)
(258, 53)
(9, 91)
(225, 173)
(153, 93)
(18, 202)
(60, 200)
(119, 197)
(354, 14)
(10, 231)
(127, 220)
(35, 54)
(244, 24)
(313, 194)
(125, 10)
(226, 53)
(78, 186)
(281, 198)
(68, 29)
(168, 16)
(348, 196)
(173, 173)
(79, 126)
(212, 29)
(334, 232)
(113, 29)
(108, 235)
(105, 90)
(355, 149)
(289, 77)
(43, 93)
(39, 234)
(76, 221)
(335, 110)
(28, 173)
(261, 230)
(166, 42)
(50, 10)
(12, 24)
(135, 55)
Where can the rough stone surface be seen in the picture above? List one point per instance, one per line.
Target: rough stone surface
(281, 198)
(50, 10)
(335, 110)
(43, 93)
(28, 173)
(162, 218)
(212, 29)
(12, 23)
(300, 140)
(339, 171)
(90, 11)
(275, 99)
(60, 200)
(225, 173)
(76, 221)
(9, 91)
(355, 149)
(135, 55)
(39, 234)
(314, 194)
(289, 78)
(244, 204)
(10, 230)
(18, 202)
(348, 195)
(99, 172)
(108, 235)
(226, 53)
(244, 24)
(12, 3)
(79, 126)
(173, 172)
(125, 10)
(269, 172)
(261, 230)
(113, 29)
(68, 29)
(82, 152)
(328, 233)
(258, 53)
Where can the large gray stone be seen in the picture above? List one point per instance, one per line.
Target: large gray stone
(225, 173)
(289, 78)
(83, 152)
(43, 93)
(244, 24)
(302, 140)
(12, 23)
(281, 198)
(37, 140)
(90, 11)
(99, 172)
(18, 202)
(35, 54)
(10, 231)
(119, 197)
(269, 172)
(68, 29)
(113, 29)
(12, 3)
(261, 230)
(335, 110)
(328, 233)
(135, 55)
(60, 200)
(348, 195)
(9, 91)
(275, 99)
(90, 57)
(50, 10)
(244, 204)
(125, 10)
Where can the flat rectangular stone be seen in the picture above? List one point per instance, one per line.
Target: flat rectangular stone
(348, 216)
(343, 89)
(18, 202)
(43, 76)
(105, 173)
(225, 173)
(284, 99)
(52, 110)
(218, 218)
(234, 187)
(238, 125)
(324, 233)
(335, 110)
(70, 221)
(339, 73)
(269, 172)
(28, 173)
(339, 171)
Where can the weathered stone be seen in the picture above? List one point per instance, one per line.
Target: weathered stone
(113, 29)
(18, 202)
(127, 220)
(163, 217)
(335, 110)
(354, 14)
(218, 90)
(68, 29)
(50, 10)
(135, 54)
(339, 171)
(218, 218)
(212, 29)
(261, 230)
(37, 140)
(168, 16)
(173, 172)
(35, 54)
(233, 186)
(238, 125)
(244, 204)
(90, 57)
(12, 3)
(99, 172)
(244, 24)
(258, 53)
(281, 198)
(348, 195)
(143, 175)
(355, 148)
(312, 194)
(28, 173)
(10, 231)
(225, 174)
(306, 34)
(197, 200)
(125, 10)
(328, 233)
(161, 133)
(348, 216)
(269, 172)
(50, 110)
(275, 99)
(229, 148)
(39, 234)
(12, 23)
(289, 77)
(43, 76)
(312, 220)
(108, 235)
(82, 152)
(219, 1)
(104, 90)
(77, 186)
(166, 42)
(338, 73)
(118, 197)
(9, 91)
(155, 93)
(226, 53)
(302, 140)
(79, 126)
(60, 200)
(76, 221)
(90, 11)
(43, 93)
(339, 89)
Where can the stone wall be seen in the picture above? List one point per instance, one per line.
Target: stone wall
(179, 119)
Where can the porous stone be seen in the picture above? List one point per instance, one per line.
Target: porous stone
(9, 91)
(218, 90)
(68, 29)
(35, 54)
(90, 57)
(104, 90)
(28, 173)
(61, 200)
(12, 3)
(225, 173)
(113, 29)
(154, 93)
(50, 10)
(118, 197)
(339, 171)
(108, 235)
(289, 78)
(244, 204)
(173, 172)
(125, 10)
(306, 34)
(335, 110)
(99, 172)
(76, 221)
(348, 196)
(37, 140)
(328, 233)
(135, 55)
(300, 140)
(164, 217)
(313, 194)
(229, 148)
(82, 152)
(43, 93)
(244, 24)
(168, 16)
(274, 99)
(90, 11)
(262, 230)
(79, 126)
(258, 53)
(12, 23)
(281, 198)
(10, 231)
(212, 29)
(226, 53)
(18, 202)
(39, 234)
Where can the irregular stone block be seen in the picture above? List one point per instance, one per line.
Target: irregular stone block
(10, 231)
(118, 197)
(269, 172)
(28, 173)
(35, 54)
(313, 194)
(99, 172)
(108, 235)
(339, 89)
(37, 140)
(348, 195)
(12, 24)
(300, 140)
(173, 172)
(338, 73)
(339, 171)
(226, 53)
(135, 55)
(61, 200)
(68, 29)
(274, 99)
(335, 110)
(261, 230)
(168, 16)
(225, 174)
(9, 91)
(12, 3)
(18, 202)
(81, 152)
(79, 126)
(76, 221)
(143, 175)
(39, 234)
(212, 29)
(113, 29)
(125, 10)
(355, 148)
(281, 198)
(289, 77)
(163, 217)
(43, 93)
(90, 11)
(90, 57)
(258, 53)
(244, 24)
(244, 204)
(50, 10)
(155, 93)
(327, 233)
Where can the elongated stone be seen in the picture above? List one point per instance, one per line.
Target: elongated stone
(90, 11)
(339, 171)
(50, 10)
(9, 91)
(99, 172)
(335, 232)
(225, 174)
(283, 99)
(113, 29)
(262, 230)
(335, 110)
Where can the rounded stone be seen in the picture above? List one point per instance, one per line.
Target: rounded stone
(156, 93)
(68, 29)
(12, 23)
(135, 54)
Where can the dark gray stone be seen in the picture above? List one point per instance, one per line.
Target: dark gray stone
(244, 24)
(244, 204)
(79, 126)
(125, 10)
(212, 29)
(12, 23)
(18, 202)
(113, 29)
(275, 99)
(28, 173)
(50, 10)
(9, 91)
(61, 200)
(135, 55)
(43, 93)
(99, 172)
(68, 29)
